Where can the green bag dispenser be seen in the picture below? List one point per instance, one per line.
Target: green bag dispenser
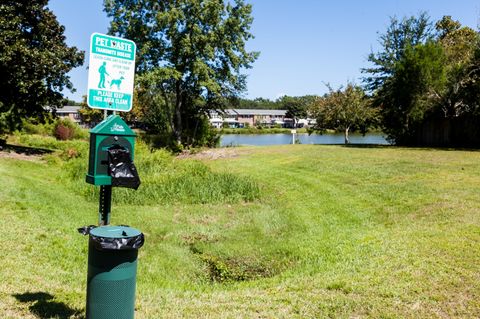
(112, 132)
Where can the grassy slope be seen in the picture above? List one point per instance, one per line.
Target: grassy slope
(339, 232)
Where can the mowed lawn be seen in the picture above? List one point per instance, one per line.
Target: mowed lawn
(340, 232)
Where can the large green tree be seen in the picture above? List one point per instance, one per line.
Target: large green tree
(191, 54)
(470, 90)
(34, 61)
(459, 44)
(407, 76)
(400, 35)
(408, 97)
(345, 109)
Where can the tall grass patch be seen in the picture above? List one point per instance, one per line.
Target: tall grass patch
(61, 128)
(166, 179)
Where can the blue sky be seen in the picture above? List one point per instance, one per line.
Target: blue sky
(303, 44)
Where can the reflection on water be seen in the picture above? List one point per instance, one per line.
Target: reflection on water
(276, 139)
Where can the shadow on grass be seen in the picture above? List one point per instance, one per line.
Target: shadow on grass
(25, 149)
(43, 306)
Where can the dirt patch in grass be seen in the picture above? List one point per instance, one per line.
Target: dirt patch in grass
(244, 268)
(20, 156)
(24, 153)
(195, 238)
(231, 269)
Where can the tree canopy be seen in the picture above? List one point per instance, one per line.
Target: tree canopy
(190, 57)
(34, 61)
(407, 32)
(422, 73)
(459, 45)
(345, 109)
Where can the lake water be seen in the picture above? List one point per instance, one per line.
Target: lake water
(276, 139)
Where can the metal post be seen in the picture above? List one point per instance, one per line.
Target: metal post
(105, 205)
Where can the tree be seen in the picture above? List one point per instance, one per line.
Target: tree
(89, 115)
(71, 102)
(34, 62)
(407, 76)
(459, 45)
(295, 107)
(190, 56)
(400, 35)
(408, 96)
(344, 110)
(470, 90)
(257, 103)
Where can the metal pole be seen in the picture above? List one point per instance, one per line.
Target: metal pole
(105, 205)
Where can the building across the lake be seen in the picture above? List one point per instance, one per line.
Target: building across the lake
(70, 112)
(233, 118)
(248, 117)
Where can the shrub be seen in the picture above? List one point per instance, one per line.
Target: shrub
(34, 126)
(63, 132)
(70, 153)
(64, 129)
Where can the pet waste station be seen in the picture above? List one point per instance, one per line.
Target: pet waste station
(112, 250)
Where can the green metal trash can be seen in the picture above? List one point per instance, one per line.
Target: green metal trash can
(112, 271)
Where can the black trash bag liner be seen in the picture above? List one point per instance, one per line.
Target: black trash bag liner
(121, 168)
(128, 243)
(85, 230)
(105, 243)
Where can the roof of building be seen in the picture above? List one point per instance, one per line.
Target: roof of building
(255, 112)
(64, 109)
(68, 109)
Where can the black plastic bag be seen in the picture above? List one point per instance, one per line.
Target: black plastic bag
(85, 230)
(121, 168)
(129, 243)
(108, 243)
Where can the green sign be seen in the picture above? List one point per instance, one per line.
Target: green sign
(111, 73)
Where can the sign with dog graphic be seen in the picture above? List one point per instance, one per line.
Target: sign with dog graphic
(110, 73)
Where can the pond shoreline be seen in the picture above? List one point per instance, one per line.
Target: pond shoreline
(303, 138)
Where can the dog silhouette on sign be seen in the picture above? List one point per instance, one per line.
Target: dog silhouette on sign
(116, 82)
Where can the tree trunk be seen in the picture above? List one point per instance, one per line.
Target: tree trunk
(171, 119)
(178, 114)
(347, 141)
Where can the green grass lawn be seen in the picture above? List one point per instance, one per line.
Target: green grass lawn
(305, 232)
